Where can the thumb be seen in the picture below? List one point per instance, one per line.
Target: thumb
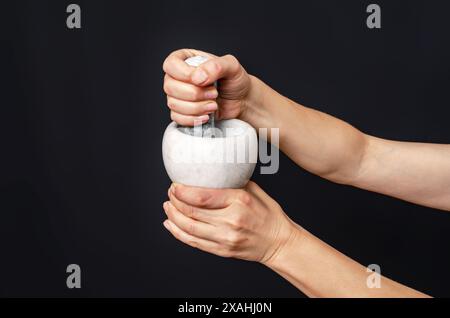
(224, 67)
(203, 197)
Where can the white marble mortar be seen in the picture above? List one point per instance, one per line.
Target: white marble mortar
(227, 161)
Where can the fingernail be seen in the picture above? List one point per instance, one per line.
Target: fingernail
(166, 224)
(211, 107)
(172, 188)
(203, 118)
(211, 94)
(199, 76)
(165, 206)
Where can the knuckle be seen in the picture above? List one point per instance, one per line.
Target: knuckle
(191, 211)
(193, 243)
(234, 239)
(237, 222)
(244, 198)
(184, 73)
(202, 199)
(166, 87)
(226, 253)
(200, 107)
(191, 228)
(231, 58)
(170, 102)
(216, 67)
(233, 61)
(171, 106)
(196, 94)
(166, 64)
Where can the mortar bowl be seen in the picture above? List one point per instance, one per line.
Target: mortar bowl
(225, 161)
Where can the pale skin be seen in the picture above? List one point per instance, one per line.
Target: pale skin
(247, 223)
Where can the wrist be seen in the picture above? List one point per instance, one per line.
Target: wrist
(288, 242)
(255, 110)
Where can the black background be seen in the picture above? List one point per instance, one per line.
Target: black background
(83, 113)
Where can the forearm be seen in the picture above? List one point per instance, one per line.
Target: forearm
(415, 172)
(319, 270)
(318, 142)
(333, 149)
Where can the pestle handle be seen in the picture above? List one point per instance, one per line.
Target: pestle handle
(196, 61)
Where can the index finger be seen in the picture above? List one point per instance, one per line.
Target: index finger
(175, 64)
